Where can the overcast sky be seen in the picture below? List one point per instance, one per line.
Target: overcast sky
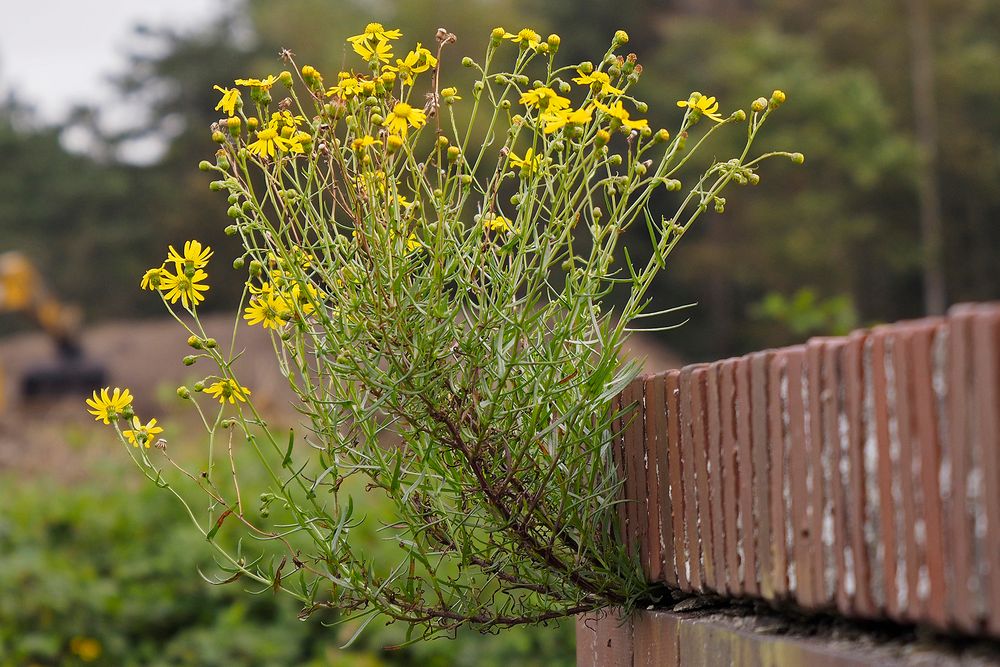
(57, 52)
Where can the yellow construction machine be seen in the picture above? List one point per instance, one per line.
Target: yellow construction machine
(22, 290)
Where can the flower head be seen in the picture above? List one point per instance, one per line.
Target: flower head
(616, 110)
(497, 223)
(702, 105)
(403, 117)
(228, 390)
(151, 279)
(369, 50)
(558, 119)
(106, 406)
(141, 434)
(269, 142)
(376, 32)
(194, 256)
(267, 309)
(526, 37)
(187, 289)
(348, 85)
(263, 84)
(544, 98)
(230, 98)
(528, 165)
(416, 61)
(599, 80)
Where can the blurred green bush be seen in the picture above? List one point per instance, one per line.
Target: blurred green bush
(101, 574)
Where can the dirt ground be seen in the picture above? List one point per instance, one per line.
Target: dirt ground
(58, 436)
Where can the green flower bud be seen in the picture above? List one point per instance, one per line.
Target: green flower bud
(739, 115)
(223, 163)
(233, 198)
(216, 186)
(754, 179)
(586, 67)
(758, 105)
(442, 141)
(798, 158)
(234, 212)
(661, 136)
(640, 169)
(232, 230)
(204, 165)
(285, 78)
(247, 206)
(195, 342)
(238, 263)
(641, 107)
(199, 386)
(477, 88)
(673, 185)
(218, 137)
(615, 160)
(183, 393)
(453, 153)
(190, 359)
(505, 104)
(465, 179)
(614, 71)
(467, 62)
(620, 38)
(127, 412)
(211, 343)
(597, 213)
(553, 41)
(255, 268)
(565, 88)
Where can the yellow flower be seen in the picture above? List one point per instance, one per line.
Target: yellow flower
(497, 223)
(416, 61)
(403, 117)
(267, 310)
(528, 165)
(286, 118)
(413, 243)
(151, 279)
(230, 98)
(228, 390)
(142, 435)
(545, 98)
(85, 648)
(186, 289)
(600, 78)
(527, 38)
(363, 142)
(297, 142)
(375, 31)
(702, 105)
(380, 51)
(616, 110)
(559, 119)
(107, 407)
(268, 142)
(263, 84)
(194, 256)
(348, 85)
(450, 93)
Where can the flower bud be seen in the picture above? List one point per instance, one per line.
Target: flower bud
(235, 124)
(195, 342)
(602, 137)
(247, 206)
(586, 67)
(204, 165)
(614, 72)
(553, 41)
(199, 386)
(218, 137)
(252, 123)
(640, 169)
(758, 105)
(190, 359)
(183, 393)
(231, 230)
(255, 268)
(661, 136)
(234, 212)
(216, 186)
(393, 143)
(615, 160)
(620, 38)
(497, 34)
(798, 158)
(477, 88)
(641, 107)
(597, 213)
(777, 99)
(739, 115)
(128, 412)
(673, 185)
(467, 62)
(465, 179)
(754, 179)
(454, 153)
(565, 88)
(211, 343)
(442, 141)
(285, 77)
(238, 263)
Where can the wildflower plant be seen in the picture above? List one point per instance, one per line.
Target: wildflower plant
(438, 307)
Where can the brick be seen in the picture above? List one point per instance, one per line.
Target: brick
(676, 474)
(802, 539)
(690, 475)
(886, 473)
(852, 375)
(777, 483)
(618, 457)
(730, 474)
(836, 470)
(714, 426)
(748, 529)
(817, 476)
(986, 352)
(761, 459)
(661, 516)
(699, 438)
(635, 470)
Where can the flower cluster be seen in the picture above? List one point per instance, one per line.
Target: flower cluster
(422, 281)
(186, 282)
